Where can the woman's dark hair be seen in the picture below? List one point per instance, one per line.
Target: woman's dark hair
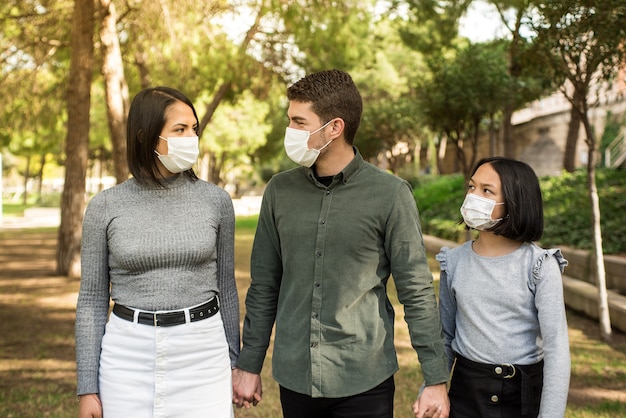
(522, 199)
(332, 94)
(146, 119)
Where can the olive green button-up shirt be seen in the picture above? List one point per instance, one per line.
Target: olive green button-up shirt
(320, 263)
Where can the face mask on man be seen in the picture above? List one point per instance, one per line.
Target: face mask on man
(297, 146)
(182, 153)
(477, 212)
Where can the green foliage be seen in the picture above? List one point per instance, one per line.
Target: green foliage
(567, 209)
(432, 26)
(391, 112)
(614, 123)
(438, 201)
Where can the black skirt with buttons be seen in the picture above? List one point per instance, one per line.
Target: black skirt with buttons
(480, 390)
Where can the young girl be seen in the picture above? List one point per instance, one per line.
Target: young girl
(501, 302)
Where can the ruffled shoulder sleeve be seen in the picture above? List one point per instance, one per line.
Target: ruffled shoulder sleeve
(540, 256)
(544, 255)
(442, 257)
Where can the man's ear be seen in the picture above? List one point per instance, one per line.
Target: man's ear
(336, 128)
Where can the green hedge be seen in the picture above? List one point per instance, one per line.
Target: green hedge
(567, 208)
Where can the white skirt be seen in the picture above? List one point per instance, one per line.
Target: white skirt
(156, 372)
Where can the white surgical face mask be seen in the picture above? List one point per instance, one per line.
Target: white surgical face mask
(182, 153)
(297, 146)
(477, 212)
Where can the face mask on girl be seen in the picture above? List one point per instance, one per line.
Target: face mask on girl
(477, 212)
(182, 153)
(297, 146)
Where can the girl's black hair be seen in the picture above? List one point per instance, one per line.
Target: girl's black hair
(522, 199)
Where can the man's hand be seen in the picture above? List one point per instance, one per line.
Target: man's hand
(247, 388)
(89, 406)
(433, 402)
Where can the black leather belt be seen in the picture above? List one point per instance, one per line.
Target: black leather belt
(170, 318)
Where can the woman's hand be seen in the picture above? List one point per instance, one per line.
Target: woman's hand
(89, 406)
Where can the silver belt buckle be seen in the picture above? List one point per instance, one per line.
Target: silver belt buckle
(509, 376)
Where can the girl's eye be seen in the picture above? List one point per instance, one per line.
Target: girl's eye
(471, 187)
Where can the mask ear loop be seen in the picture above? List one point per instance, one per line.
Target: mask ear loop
(157, 152)
(322, 127)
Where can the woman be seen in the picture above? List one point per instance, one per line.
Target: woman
(161, 247)
(501, 302)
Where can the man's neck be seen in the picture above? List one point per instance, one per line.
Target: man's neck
(334, 160)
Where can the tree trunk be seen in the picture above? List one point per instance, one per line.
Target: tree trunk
(603, 304)
(26, 178)
(493, 137)
(42, 165)
(142, 67)
(569, 157)
(213, 176)
(441, 153)
(507, 132)
(116, 89)
(77, 139)
(222, 91)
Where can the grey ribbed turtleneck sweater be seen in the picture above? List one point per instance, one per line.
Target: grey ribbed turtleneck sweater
(154, 249)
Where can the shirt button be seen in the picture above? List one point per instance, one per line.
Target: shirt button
(494, 398)
(498, 370)
(314, 315)
(317, 284)
(319, 254)
(322, 222)
(313, 345)
(327, 192)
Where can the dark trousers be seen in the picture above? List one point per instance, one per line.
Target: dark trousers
(495, 391)
(375, 403)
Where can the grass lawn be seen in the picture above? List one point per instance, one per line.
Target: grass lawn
(37, 371)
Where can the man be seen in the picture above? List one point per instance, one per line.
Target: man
(330, 234)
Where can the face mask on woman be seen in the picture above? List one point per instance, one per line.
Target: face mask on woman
(477, 212)
(182, 153)
(297, 146)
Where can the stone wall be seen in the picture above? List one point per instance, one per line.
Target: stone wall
(540, 134)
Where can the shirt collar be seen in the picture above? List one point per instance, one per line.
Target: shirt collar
(347, 173)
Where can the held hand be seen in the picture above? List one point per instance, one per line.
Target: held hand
(247, 388)
(433, 402)
(89, 406)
